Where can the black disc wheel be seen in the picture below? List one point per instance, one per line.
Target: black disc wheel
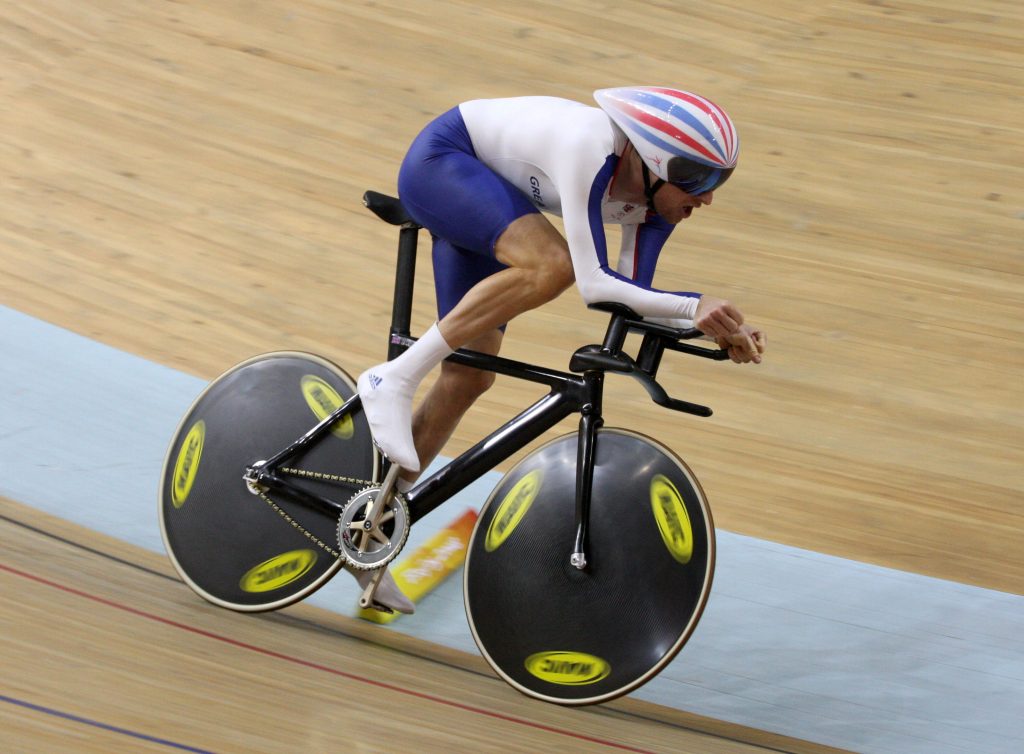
(582, 636)
(249, 549)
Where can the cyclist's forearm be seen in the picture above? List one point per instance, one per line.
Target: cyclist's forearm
(603, 285)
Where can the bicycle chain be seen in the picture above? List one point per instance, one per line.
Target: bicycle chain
(312, 475)
(327, 477)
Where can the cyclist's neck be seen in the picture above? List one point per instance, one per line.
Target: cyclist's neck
(628, 183)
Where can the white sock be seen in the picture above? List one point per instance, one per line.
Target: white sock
(387, 391)
(423, 355)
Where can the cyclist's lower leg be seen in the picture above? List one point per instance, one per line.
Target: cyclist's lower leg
(539, 270)
(455, 390)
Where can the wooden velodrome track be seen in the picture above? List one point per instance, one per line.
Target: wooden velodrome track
(182, 180)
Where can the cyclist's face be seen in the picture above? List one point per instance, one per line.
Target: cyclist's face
(675, 205)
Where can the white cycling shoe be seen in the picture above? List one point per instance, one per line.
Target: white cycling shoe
(387, 404)
(388, 594)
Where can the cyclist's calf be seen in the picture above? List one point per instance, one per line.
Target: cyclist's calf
(462, 384)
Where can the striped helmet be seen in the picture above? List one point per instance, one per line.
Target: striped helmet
(681, 137)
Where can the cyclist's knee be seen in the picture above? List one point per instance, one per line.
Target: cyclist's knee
(550, 279)
(532, 244)
(561, 272)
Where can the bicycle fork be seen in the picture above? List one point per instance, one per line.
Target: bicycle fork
(590, 421)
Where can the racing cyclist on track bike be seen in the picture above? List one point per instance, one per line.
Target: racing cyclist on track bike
(480, 177)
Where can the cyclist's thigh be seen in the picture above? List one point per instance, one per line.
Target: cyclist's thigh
(532, 242)
(456, 271)
(450, 192)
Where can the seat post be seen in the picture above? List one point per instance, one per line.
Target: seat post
(405, 278)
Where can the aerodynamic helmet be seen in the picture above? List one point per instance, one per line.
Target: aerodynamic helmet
(681, 137)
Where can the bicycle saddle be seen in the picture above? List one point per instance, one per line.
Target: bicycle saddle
(389, 209)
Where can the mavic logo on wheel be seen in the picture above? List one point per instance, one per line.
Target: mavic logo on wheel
(187, 465)
(324, 401)
(567, 668)
(673, 521)
(512, 509)
(277, 572)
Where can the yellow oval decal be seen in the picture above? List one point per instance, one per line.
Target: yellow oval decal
(673, 521)
(277, 572)
(567, 668)
(324, 400)
(187, 465)
(512, 509)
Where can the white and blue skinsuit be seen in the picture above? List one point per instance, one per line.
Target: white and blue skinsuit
(480, 166)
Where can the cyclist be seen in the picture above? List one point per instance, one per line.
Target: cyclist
(480, 177)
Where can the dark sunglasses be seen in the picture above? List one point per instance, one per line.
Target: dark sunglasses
(687, 175)
(696, 178)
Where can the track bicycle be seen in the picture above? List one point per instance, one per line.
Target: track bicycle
(590, 563)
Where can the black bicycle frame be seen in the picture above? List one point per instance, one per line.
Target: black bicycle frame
(570, 393)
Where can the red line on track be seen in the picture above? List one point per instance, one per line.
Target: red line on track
(316, 666)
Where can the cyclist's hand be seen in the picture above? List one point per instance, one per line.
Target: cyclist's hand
(716, 317)
(745, 345)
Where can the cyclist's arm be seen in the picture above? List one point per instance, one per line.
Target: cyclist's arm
(641, 246)
(584, 228)
(717, 318)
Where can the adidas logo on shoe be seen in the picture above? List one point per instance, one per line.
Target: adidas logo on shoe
(375, 381)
